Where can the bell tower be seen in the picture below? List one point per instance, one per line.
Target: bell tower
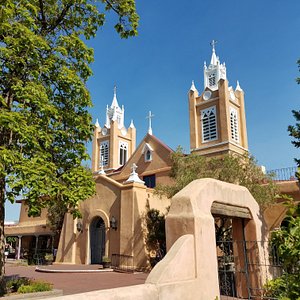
(217, 115)
(113, 144)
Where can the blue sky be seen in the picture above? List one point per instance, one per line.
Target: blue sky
(259, 42)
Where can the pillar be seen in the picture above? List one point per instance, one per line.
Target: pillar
(19, 246)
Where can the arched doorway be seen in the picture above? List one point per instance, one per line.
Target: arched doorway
(97, 240)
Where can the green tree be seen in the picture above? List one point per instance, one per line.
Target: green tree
(44, 118)
(294, 131)
(235, 169)
(287, 242)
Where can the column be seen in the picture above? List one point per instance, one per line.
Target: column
(19, 246)
(36, 243)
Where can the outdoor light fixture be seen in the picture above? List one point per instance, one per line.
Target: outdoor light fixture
(79, 226)
(113, 223)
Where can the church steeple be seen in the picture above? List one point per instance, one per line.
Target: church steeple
(113, 144)
(217, 115)
(215, 71)
(114, 112)
(115, 101)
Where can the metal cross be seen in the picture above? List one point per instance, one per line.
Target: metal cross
(150, 116)
(213, 44)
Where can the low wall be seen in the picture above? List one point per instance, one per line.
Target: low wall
(171, 278)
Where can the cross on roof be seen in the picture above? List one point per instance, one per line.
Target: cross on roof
(213, 44)
(150, 116)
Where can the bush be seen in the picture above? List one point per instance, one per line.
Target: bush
(287, 241)
(14, 283)
(35, 286)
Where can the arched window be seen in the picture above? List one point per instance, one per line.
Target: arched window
(123, 148)
(148, 155)
(234, 124)
(104, 152)
(209, 124)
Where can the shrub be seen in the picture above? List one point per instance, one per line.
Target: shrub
(14, 283)
(35, 286)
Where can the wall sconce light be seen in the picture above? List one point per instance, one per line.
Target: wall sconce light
(79, 226)
(113, 223)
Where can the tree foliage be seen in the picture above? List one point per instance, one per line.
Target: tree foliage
(155, 235)
(44, 118)
(235, 169)
(294, 131)
(287, 241)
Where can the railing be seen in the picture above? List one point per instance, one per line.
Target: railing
(245, 267)
(284, 174)
(122, 263)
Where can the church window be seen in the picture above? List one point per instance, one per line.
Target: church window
(148, 152)
(104, 152)
(150, 181)
(148, 155)
(212, 79)
(209, 124)
(123, 148)
(234, 124)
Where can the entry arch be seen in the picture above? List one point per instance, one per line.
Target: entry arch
(97, 240)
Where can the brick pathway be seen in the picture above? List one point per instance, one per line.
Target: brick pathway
(73, 283)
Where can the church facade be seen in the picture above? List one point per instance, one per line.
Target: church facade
(125, 175)
(112, 222)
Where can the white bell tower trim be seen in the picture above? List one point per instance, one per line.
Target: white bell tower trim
(114, 112)
(215, 71)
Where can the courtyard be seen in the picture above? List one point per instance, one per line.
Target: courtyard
(74, 283)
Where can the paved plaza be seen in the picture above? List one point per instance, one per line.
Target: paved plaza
(73, 283)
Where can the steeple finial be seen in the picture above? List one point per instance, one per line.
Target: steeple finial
(131, 124)
(150, 116)
(193, 88)
(214, 58)
(97, 123)
(115, 101)
(213, 44)
(238, 87)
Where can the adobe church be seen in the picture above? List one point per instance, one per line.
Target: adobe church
(125, 175)
(112, 221)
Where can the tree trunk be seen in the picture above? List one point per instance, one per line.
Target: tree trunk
(2, 237)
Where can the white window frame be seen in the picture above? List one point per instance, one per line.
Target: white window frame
(234, 125)
(147, 149)
(123, 152)
(104, 152)
(209, 124)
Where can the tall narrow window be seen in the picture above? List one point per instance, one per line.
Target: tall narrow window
(234, 124)
(104, 152)
(123, 148)
(212, 79)
(209, 124)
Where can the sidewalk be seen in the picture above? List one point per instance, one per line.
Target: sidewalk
(73, 283)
